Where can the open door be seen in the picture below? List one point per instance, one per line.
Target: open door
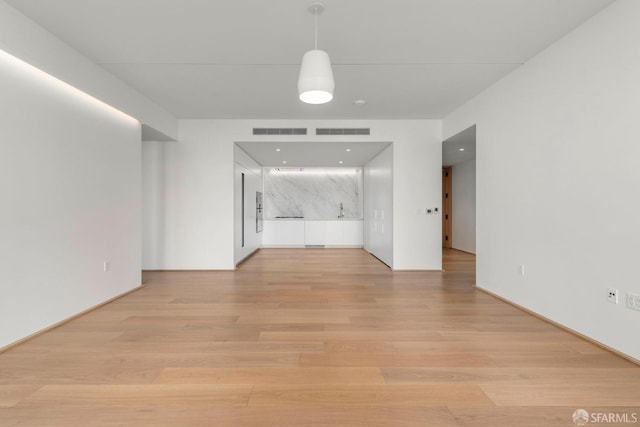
(446, 207)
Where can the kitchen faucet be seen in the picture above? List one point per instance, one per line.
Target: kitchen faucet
(341, 211)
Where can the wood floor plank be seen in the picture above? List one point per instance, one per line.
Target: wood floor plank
(283, 317)
(231, 416)
(354, 335)
(555, 393)
(273, 347)
(157, 394)
(11, 395)
(484, 347)
(532, 416)
(264, 375)
(534, 337)
(202, 334)
(560, 360)
(359, 347)
(520, 375)
(394, 359)
(358, 395)
(83, 349)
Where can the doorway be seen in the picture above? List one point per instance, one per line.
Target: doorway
(446, 207)
(459, 192)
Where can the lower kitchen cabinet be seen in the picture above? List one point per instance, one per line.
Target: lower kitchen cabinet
(333, 235)
(312, 232)
(283, 233)
(352, 233)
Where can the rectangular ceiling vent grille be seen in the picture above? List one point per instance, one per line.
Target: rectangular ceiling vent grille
(343, 131)
(279, 131)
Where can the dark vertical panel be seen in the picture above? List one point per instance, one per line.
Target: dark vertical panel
(242, 210)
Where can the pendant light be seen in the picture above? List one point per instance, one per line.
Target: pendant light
(315, 82)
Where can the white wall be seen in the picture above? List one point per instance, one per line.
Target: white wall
(378, 206)
(417, 185)
(199, 223)
(199, 188)
(70, 186)
(463, 206)
(557, 178)
(253, 183)
(153, 204)
(186, 197)
(23, 38)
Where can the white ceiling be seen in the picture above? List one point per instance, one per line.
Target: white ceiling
(313, 154)
(465, 140)
(240, 59)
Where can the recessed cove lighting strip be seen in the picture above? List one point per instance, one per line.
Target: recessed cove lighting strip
(313, 171)
(18, 64)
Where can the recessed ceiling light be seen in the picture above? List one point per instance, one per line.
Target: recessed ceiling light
(277, 149)
(284, 162)
(348, 149)
(341, 162)
(460, 149)
(359, 103)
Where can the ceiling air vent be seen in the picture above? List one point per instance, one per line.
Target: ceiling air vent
(343, 131)
(279, 131)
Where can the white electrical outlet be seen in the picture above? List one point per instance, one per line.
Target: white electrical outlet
(612, 295)
(522, 270)
(633, 301)
(107, 266)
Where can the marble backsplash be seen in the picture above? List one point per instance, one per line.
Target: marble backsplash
(312, 192)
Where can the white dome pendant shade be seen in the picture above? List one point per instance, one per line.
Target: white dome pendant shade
(315, 83)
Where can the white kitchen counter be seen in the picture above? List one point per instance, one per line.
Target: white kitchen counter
(301, 232)
(313, 219)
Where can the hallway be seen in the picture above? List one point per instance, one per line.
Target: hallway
(318, 337)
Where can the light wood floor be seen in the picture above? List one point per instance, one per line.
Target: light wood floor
(313, 337)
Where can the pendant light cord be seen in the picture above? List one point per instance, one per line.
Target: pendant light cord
(316, 26)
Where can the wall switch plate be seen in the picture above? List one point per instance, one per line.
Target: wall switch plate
(612, 295)
(522, 270)
(107, 266)
(633, 301)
